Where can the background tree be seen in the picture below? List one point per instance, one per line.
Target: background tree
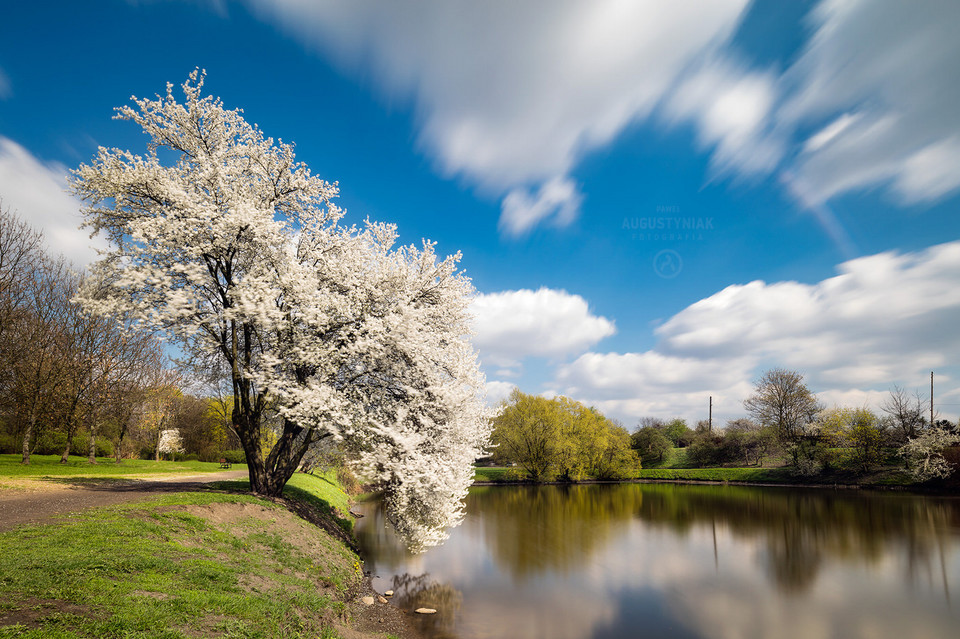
(868, 436)
(650, 443)
(36, 371)
(526, 431)
(677, 431)
(560, 438)
(907, 412)
(783, 401)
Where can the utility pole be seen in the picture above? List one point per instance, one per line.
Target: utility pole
(931, 398)
(710, 419)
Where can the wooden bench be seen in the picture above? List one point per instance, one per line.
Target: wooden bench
(224, 463)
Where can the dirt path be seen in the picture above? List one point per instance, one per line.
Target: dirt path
(59, 499)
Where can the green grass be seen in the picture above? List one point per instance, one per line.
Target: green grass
(776, 475)
(106, 467)
(489, 474)
(319, 489)
(760, 475)
(164, 569)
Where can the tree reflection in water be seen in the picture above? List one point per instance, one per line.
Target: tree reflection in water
(418, 591)
(665, 549)
(534, 530)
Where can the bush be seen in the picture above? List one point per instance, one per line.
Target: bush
(80, 445)
(190, 457)
(513, 474)
(51, 443)
(348, 481)
(9, 444)
(234, 456)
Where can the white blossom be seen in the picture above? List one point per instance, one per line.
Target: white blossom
(170, 441)
(237, 251)
(924, 454)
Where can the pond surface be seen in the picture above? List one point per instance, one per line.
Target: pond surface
(658, 560)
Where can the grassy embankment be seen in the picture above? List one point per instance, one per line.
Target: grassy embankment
(189, 564)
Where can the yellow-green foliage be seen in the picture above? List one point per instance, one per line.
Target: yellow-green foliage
(561, 438)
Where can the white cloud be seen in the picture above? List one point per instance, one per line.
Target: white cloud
(513, 325)
(731, 107)
(558, 199)
(511, 95)
(884, 319)
(37, 193)
(498, 391)
(892, 69)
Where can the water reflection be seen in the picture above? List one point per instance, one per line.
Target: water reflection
(666, 560)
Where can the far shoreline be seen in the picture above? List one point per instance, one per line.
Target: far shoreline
(904, 488)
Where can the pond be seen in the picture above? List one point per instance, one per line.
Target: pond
(664, 560)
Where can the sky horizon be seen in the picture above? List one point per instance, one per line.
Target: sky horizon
(656, 201)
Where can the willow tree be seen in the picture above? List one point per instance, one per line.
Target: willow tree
(221, 239)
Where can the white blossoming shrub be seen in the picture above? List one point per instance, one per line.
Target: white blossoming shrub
(223, 241)
(170, 441)
(924, 454)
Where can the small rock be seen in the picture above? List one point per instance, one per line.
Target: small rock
(367, 601)
(425, 611)
(388, 593)
(382, 599)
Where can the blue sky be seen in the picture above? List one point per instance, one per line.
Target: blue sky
(656, 200)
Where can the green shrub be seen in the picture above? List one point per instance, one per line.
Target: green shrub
(80, 445)
(190, 457)
(9, 444)
(513, 474)
(234, 456)
(51, 443)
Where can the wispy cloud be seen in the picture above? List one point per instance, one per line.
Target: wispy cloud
(511, 96)
(37, 192)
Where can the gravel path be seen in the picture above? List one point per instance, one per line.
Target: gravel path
(45, 506)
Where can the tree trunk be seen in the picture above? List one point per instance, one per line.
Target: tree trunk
(92, 457)
(269, 476)
(26, 439)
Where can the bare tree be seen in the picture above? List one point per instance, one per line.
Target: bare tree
(782, 400)
(907, 412)
(37, 371)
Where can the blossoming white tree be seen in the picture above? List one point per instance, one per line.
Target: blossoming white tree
(170, 442)
(222, 240)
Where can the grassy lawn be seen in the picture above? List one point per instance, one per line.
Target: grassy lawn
(489, 474)
(106, 467)
(183, 565)
(884, 476)
(760, 475)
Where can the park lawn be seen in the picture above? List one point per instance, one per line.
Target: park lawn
(192, 564)
(758, 475)
(49, 466)
(490, 473)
